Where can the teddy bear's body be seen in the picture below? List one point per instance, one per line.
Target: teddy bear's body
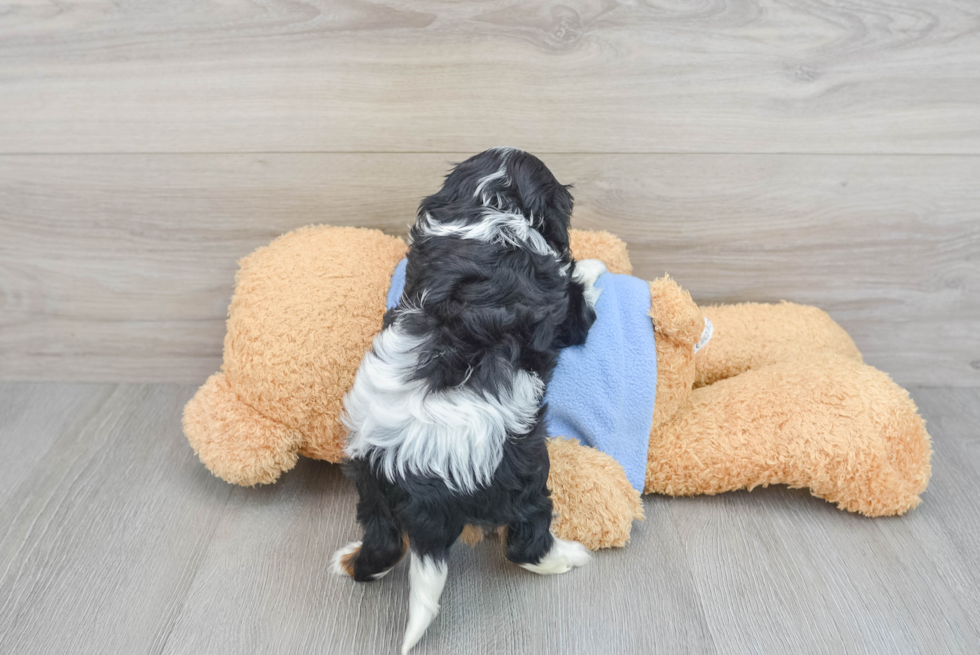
(777, 396)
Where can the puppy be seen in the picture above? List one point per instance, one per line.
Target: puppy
(445, 415)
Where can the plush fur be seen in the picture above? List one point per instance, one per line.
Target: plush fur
(445, 414)
(778, 396)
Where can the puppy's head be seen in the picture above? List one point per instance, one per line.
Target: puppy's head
(506, 180)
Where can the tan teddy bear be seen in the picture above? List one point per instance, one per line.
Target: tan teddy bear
(778, 395)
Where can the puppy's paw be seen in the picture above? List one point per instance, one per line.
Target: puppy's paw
(563, 557)
(587, 271)
(342, 562)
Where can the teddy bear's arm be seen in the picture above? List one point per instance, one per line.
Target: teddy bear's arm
(594, 502)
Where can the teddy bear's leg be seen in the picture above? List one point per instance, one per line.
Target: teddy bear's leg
(235, 442)
(826, 422)
(594, 503)
(751, 335)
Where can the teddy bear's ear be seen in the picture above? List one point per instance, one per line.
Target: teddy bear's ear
(606, 247)
(674, 314)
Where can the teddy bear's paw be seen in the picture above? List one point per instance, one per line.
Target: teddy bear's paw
(563, 557)
(586, 272)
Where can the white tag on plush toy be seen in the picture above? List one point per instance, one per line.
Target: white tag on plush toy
(709, 329)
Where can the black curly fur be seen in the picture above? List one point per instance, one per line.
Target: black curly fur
(483, 309)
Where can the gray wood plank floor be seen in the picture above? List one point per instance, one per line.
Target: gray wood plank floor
(117, 540)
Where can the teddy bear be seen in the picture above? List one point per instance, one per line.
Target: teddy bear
(728, 397)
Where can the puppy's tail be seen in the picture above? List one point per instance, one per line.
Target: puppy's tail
(428, 578)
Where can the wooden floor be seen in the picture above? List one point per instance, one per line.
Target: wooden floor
(117, 540)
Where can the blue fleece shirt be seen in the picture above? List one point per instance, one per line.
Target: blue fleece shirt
(602, 392)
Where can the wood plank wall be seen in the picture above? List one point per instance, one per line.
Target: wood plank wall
(826, 153)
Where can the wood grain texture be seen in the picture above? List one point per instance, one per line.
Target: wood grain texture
(261, 586)
(103, 537)
(118, 540)
(28, 434)
(121, 267)
(810, 578)
(582, 76)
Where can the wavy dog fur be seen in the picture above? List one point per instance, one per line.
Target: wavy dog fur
(455, 434)
(445, 414)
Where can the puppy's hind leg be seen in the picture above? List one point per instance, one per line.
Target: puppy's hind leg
(531, 545)
(374, 557)
(384, 542)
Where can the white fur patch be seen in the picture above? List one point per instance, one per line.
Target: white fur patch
(496, 227)
(500, 174)
(454, 434)
(335, 566)
(561, 558)
(428, 578)
(487, 179)
(587, 271)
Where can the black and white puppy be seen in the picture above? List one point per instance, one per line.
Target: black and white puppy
(445, 415)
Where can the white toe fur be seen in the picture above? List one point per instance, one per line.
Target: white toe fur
(335, 566)
(586, 272)
(563, 556)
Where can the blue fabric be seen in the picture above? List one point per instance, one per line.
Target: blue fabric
(397, 285)
(602, 392)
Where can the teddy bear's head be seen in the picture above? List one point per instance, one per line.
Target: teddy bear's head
(304, 311)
